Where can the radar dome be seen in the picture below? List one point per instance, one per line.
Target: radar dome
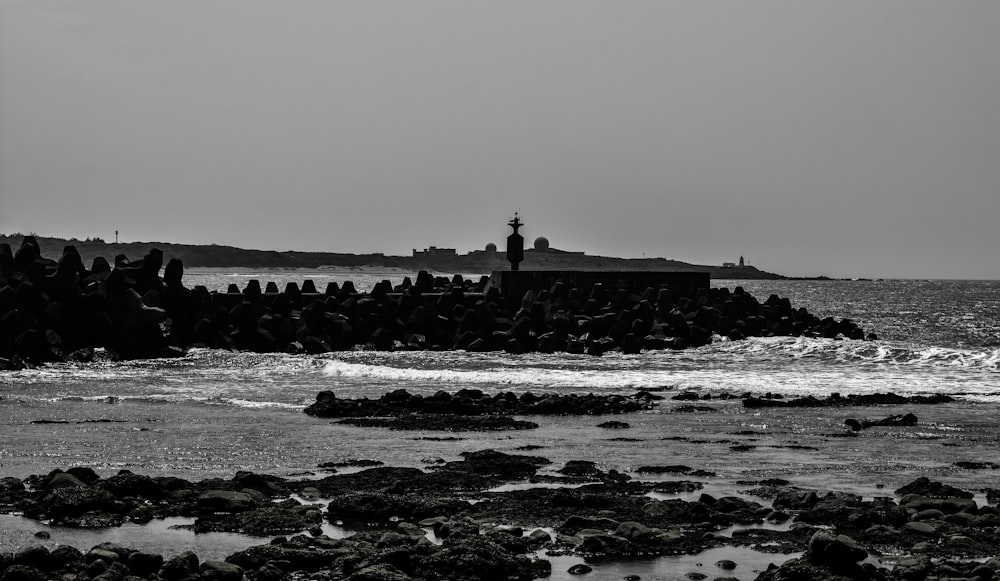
(541, 243)
(491, 247)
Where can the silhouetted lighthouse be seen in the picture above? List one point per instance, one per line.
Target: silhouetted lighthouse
(515, 243)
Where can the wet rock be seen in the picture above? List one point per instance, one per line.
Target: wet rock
(634, 532)
(829, 549)
(541, 568)
(803, 569)
(579, 569)
(64, 480)
(668, 469)
(932, 489)
(64, 504)
(581, 468)
(225, 501)
(180, 567)
(836, 400)
(126, 483)
(144, 564)
(447, 423)
(912, 568)
(690, 409)
(920, 528)
(35, 556)
(384, 506)
(475, 403)
(220, 571)
(23, 573)
(266, 521)
(977, 465)
(476, 558)
(891, 421)
(725, 564)
(64, 555)
(924, 505)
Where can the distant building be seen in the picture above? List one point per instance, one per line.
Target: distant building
(733, 264)
(491, 247)
(434, 251)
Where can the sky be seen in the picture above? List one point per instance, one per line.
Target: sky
(855, 138)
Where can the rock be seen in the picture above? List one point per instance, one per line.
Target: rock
(891, 421)
(63, 555)
(672, 469)
(144, 564)
(63, 503)
(225, 501)
(379, 572)
(23, 573)
(912, 568)
(836, 400)
(977, 465)
(931, 489)
(581, 468)
(98, 553)
(600, 543)
(35, 556)
(266, 521)
(126, 483)
(634, 532)
(919, 503)
(579, 569)
(958, 542)
(725, 564)
(64, 480)
(220, 571)
(180, 567)
(920, 528)
(828, 549)
(541, 568)
(804, 570)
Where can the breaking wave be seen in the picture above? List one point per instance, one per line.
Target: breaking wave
(788, 365)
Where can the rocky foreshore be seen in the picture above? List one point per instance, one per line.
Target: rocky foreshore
(445, 523)
(54, 310)
(473, 402)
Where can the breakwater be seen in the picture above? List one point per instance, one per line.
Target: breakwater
(54, 310)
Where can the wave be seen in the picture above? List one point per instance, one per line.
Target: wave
(511, 375)
(864, 352)
(771, 363)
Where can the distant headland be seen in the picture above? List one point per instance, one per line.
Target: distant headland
(540, 257)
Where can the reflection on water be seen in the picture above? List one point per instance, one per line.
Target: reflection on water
(158, 536)
(749, 564)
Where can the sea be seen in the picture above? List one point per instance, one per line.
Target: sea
(212, 413)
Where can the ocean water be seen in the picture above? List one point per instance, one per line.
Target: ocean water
(212, 413)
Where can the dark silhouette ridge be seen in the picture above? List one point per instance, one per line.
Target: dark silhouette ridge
(216, 256)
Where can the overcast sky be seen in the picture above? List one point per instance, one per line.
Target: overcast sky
(847, 138)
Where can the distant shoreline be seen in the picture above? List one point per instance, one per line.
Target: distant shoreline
(216, 256)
